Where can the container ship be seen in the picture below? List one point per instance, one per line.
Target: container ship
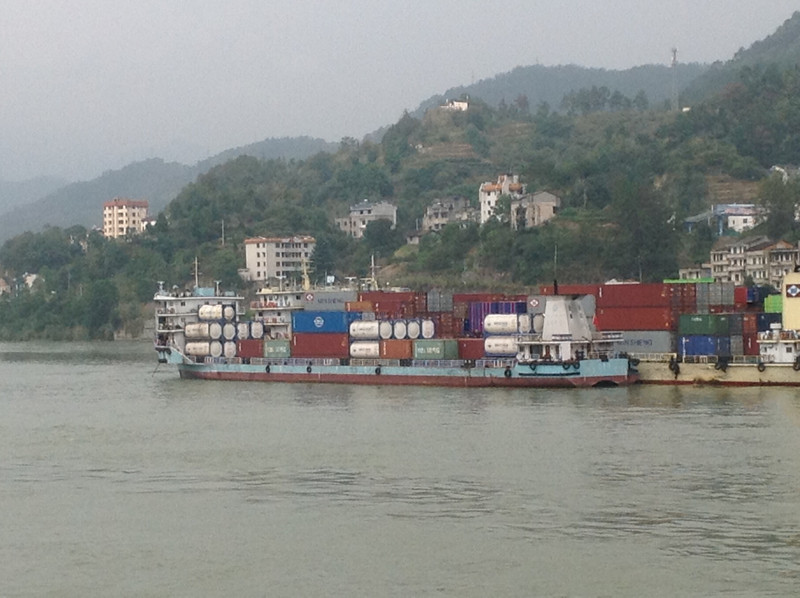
(701, 332)
(398, 337)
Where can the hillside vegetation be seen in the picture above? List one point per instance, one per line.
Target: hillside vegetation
(628, 175)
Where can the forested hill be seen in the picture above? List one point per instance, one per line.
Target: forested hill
(549, 84)
(154, 180)
(781, 50)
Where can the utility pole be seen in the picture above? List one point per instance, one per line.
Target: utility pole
(674, 68)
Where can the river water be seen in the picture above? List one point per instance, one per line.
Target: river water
(119, 479)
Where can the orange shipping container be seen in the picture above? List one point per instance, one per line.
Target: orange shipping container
(359, 306)
(397, 349)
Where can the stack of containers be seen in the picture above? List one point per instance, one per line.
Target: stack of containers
(706, 334)
(500, 331)
(715, 297)
(322, 333)
(214, 335)
(750, 334)
(478, 310)
(645, 313)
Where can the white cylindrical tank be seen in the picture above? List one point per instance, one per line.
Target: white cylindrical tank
(196, 330)
(499, 346)
(501, 324)
(229, 331)
(229, 349)
(365, 349)
(215, 330)
(385, 330)
(197, 349)
(215, 348)
(229, 312)
(400, 329)
(210, 312)
(525, 323)
(257, 329)
(243, 330)
(537, 323)
(365, 330)
(427, 328)
(413, 329)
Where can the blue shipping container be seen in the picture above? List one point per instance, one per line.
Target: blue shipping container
(323, 321)
(764, 320)
(701, 344)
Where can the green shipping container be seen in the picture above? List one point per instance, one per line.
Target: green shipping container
(277, 348)
(773, 304)
(446, 348)
(704, 325)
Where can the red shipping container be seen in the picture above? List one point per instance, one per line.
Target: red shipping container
(635, 318)
(320, 344)
(397, 349)
(749, 323)
(750, 343)
(250, 348)
(634, 295)
(740, 295)
(470, 348)
(570, 289)
(476, 297)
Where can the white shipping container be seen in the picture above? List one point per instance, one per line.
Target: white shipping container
(210, 312)
(197, 349)
(501, 324)
(427, 328)
(499, 346)
(196, 330)
(365, 330)
(365, 349)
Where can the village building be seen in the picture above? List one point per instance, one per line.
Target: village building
(757, 258)
(276, 258)
(365, 212)
(737, 217)
(445, 211)
(489, 193)
(123, 217)
(529, 211)
(456, 105)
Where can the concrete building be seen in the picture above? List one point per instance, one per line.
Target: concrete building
(455, 105)
(489, 193)
(756, 258)
(270, 259)
(532, 210)
(123, 216)
(444, 211)
(365, 212)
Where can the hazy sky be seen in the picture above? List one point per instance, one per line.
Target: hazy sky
(90, 85)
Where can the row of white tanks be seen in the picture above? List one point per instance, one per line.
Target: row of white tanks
(500, 332)
(384, 330)
(216, 332)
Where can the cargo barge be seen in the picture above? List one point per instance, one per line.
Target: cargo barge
(385, 338)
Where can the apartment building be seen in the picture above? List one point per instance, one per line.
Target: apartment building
(269, 259)
(122, 217)
(365, 212)
(532, 210)
(757, 258)
(489, 193)
(444, 211)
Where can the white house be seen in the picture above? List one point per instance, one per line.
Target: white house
(489, 193)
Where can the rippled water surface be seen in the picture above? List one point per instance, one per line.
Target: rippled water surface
(118, 478)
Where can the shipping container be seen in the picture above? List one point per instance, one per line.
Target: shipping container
(329, 299)
(359, 306)
(257, 329)
(634, 295)
(765, 321)
(215, 330)
(320, 344)
(396, 349)
(570, 289)
(749, 323)
(399, 329)
(470, 348)
(698, 345)
(197, 330)
(243, 330)
(634, 318)
(773, 304)
(439, 301)
(703, 324)
(500, 346)
(385, 329)
(750, 344)
(362, 330)
(250, 348)
(229, 349)
(323, 321)
(229, 331)
(277, 348)
(427, 328)
(365, 349)
(647, 341)
(435, 349)
(413, 329)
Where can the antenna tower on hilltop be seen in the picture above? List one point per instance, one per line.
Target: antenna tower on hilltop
(674, 68)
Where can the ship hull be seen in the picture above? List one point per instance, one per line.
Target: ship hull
(735, 374)
(589, 373)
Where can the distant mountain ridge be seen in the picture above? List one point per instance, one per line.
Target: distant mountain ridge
(154, 180)
(549, 84)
